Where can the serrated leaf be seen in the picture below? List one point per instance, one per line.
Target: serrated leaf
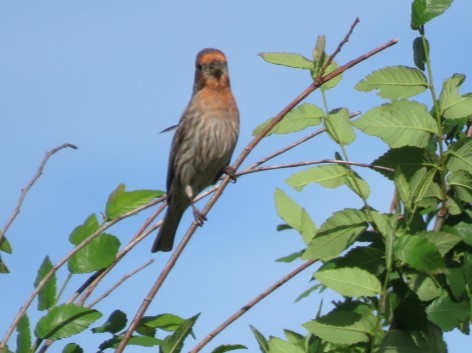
(367, 258)
(459, 156)
(98, 254)
(341, 327)
(350, 282)
(288, 59)
(329, 176)
(47, 295)
(339, 128)
(453, 105)
(462, 229)
(64, 321)
(446, 313)
(299, 118)
(72, 348)
(419, 254)
(114, 324)
(174, 342)
(420, 55)
(166, 322)
(333, 66)
(121, 202)
(400, 123)
(424, 286)
(461, 183)
(277, 345)
(410, 159)
(394, 82)
(86, 229)
(396, 341)
(336, 234)
(294, 215)
(228, 347)
(261, 340)
(444, 241)
(423, 11)
(23, 339)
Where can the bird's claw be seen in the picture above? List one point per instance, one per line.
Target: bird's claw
(231, 172)
(199, 217)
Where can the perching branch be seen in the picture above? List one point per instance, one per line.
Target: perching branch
(222, 186)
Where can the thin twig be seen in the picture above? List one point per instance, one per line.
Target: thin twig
(293, 145)
(90, 285)
(61, 263)
(321, 161)
(249, 305)
(340, 46)
(118, 283)
(28, 187)
(222, 186)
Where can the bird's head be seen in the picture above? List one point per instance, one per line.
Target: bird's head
(211, 69)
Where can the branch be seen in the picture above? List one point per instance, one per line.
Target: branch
(62, 262)
(222, 186)
(249, 305)
(28, 187)
(293, 145)
(321, 161)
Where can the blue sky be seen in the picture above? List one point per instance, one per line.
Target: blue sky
(107, 76)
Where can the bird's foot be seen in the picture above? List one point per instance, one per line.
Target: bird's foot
(199, 217)
(231, 172)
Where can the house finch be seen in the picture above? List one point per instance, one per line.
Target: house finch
(203, 142)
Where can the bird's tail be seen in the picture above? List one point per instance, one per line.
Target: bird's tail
(166, 234)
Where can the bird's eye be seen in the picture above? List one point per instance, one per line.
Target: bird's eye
(199, 67)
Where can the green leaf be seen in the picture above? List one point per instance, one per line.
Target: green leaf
(424, 286)
(82, 232)
(277, 345)
(72, 348)
(350, 282)
(447, 314)
(47, 295)
(329, 176)
(453, 105)
(3, 268)
(174, 342)
(166, 322)
(143, 341)
(461, 183)
(114, 324)
(419, 254)
(299, 118)
(420, 55)
(64, 321)
(410, 159)
(400, 123)
(121, 202)
(368, 258)
(459, 156)
(339, 128)
(5, 245)
(414, 188)
(333, 66)
(423, 11)
(261, 340)
(228, 347)
(444, 241)
(336, 234)
(457, 283)
(462, 229)
(23, 339)
(396, 341)
(341, 327)
(290, 258)
(98, 254)
(394, 82)
(294, 215)
(288, 59)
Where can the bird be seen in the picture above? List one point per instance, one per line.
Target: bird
(203, 143)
